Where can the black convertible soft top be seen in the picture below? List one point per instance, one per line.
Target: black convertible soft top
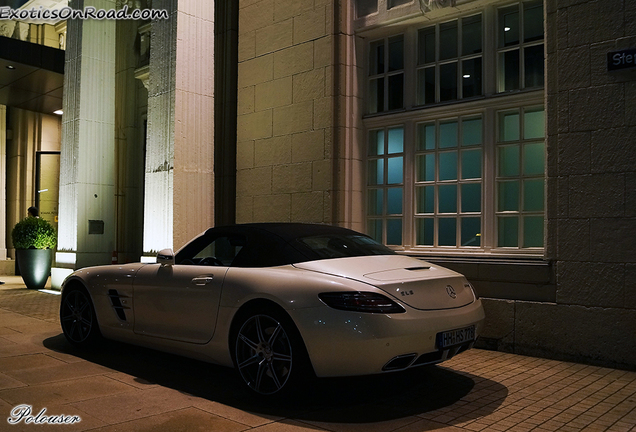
(274, 244)
(292, 231)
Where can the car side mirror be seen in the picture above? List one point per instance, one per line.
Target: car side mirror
(165, 257)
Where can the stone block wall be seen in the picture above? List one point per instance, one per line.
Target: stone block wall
(591, 132)
(285, 111)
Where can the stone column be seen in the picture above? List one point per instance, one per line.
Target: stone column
(86, 233)
(179, 179)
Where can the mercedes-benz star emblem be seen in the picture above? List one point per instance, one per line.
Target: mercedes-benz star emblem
(451, 291)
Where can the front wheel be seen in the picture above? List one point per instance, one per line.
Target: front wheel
(268, 353)
(77, 317)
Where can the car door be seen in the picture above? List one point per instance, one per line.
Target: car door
(181, 301)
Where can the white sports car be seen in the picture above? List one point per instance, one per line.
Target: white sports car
(278, 302)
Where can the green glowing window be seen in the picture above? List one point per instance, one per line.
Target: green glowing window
(385, 184)
(448, 182)
(520, 179)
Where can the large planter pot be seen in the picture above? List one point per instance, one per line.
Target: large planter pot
(35, 266)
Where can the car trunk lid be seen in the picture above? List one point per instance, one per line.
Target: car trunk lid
(418, 284)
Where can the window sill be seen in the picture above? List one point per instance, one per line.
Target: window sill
(479, 256)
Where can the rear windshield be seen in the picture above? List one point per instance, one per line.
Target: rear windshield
(342, 246)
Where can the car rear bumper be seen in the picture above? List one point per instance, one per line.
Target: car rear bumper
(342, 343)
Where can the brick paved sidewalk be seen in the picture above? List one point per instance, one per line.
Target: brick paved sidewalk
(124, 388)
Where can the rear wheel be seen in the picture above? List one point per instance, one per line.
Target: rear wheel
(77, 316)
(269, 353)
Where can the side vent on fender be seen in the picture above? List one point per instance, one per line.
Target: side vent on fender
(116, 303)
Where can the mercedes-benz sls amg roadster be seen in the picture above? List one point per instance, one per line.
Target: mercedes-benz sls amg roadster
(278, 302)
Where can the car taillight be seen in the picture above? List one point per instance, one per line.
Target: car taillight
(472, 288)
(361, 302)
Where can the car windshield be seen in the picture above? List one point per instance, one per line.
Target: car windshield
(342, 246)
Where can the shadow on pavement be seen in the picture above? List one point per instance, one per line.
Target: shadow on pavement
(334, 400)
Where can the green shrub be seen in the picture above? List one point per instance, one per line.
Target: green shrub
(33, 233)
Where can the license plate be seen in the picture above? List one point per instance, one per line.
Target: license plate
(455, 337)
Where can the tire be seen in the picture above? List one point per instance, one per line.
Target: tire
(269, 354)
(77, 317)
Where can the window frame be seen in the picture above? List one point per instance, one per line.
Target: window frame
(487, 106)
(521, 46)
(458, 59)
(385, 75)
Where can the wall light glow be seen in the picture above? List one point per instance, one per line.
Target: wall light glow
(65, 257)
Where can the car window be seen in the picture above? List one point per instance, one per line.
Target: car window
(342, 246)
(219, 251)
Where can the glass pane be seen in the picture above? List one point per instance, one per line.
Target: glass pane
(374, 229)
(471, 231)
(421, 87)
(426, 46)
(448, 198)
(376, 58)
(533, 191)
(471, 35)
(533, 64)
(508, 161)
(394, 201)
(448, 82)
(533, 21)
(396, 91)
(396, 53)
(448, 40)
(366, 7)
(509, 26)
(425, 199)
(396, 140)
(375, 172)
(448, 166)
(448, 134)
(533, 231)
(471, 77)
(426, 135)
(533, 159)
(394, 3)
(395, 170)
(425, 167)
(471, 164)
(509, 126)
(447, 234)
(425, 231)
(426, 86)
(508, 196)
(394, 232)
(429, 85)
(533, 124)
(376, 143)
(471, 198)
(508, 230)
(509, 70)
(375, 202)
(376, 95)
(471, 132)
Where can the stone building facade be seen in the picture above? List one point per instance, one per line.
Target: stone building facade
(495, 137)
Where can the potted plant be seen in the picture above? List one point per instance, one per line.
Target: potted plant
(33, 239)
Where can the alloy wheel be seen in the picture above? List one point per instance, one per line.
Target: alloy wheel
(264, 354)
(77, 317)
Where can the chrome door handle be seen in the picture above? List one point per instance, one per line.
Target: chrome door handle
(202, 280)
